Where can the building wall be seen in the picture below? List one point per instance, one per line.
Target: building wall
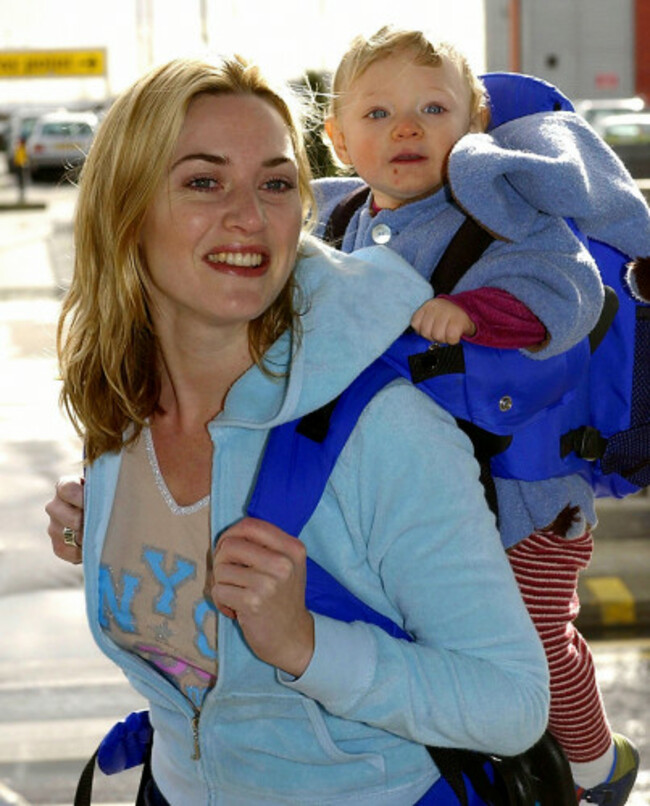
(642, 39)
(585, 47)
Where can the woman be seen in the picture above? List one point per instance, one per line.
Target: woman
(199, 317)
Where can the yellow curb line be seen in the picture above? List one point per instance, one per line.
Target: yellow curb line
(614, 599)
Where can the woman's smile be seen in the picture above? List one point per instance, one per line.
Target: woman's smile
(247, 262)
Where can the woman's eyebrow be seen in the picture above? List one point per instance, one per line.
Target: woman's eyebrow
(218, 159)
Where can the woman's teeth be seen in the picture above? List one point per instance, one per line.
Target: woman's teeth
(237, 258)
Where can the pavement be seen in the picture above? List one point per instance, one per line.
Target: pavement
(41, 600)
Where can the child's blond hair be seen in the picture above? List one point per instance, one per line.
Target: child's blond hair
(387, 41)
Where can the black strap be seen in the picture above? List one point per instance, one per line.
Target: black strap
(608, 313)
(541, 776)
(464, 249)
(453, 764)
(316, 424)
(84, 793)
(436, 360)
(341, 215)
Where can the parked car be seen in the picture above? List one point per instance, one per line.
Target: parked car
(594, 111)
(21, 123)
(629, 136)
(60, 140)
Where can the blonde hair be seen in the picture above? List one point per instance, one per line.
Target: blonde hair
(387, 41)
(106, 343)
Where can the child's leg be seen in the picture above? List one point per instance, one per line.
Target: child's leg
(546, 567)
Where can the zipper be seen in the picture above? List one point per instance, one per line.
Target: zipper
(196, 756)
(140, 669)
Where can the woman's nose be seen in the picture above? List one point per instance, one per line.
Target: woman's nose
(245, 211)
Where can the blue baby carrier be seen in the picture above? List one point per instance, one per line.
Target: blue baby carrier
(586, 411)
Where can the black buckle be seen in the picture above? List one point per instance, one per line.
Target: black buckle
(439, 359)
(586, 442)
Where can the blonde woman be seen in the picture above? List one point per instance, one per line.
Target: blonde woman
(200, 316)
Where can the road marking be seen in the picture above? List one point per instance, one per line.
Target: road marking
(614, 599)
(81, 672)
(53, 740)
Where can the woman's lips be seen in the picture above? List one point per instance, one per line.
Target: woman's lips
(242, 262)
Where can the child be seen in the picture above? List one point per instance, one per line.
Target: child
(399, 108)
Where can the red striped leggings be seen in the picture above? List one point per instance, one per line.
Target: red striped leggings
(546, 568)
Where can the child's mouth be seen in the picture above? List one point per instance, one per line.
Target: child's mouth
(408, 158)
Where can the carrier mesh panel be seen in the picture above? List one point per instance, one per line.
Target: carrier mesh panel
(631, 450)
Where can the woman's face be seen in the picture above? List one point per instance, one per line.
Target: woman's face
(221, 233)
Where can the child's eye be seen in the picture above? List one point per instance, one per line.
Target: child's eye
(278, 185)
(433, 109)
(377, 114)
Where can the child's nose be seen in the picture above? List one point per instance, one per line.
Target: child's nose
(407, 128)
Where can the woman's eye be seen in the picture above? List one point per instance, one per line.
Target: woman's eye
(278, 185)
(202, 183)
(377, 114)
(433, 109)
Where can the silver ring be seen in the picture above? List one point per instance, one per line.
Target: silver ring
(70, 537)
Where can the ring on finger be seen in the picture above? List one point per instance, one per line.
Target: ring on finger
(70, 537)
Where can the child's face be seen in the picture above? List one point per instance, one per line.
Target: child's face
(398, 123)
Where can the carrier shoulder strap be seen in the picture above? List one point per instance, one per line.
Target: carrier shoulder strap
(301, 454)
(342, 215)
(464, 249)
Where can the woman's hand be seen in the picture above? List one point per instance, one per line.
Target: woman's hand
(259, 575)
(66, 515)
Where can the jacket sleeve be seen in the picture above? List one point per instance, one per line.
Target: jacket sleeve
(499, 318)
(475, 676)
(552, 273)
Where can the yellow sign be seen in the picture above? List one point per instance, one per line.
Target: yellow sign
(52, 63)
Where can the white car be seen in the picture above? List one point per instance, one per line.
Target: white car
(20, 126)
(60, 140)
(629, 136)
(594, 111)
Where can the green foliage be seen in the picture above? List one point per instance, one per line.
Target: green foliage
(314, 87)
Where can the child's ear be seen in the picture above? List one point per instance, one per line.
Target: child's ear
(481, 120)
(337, 139)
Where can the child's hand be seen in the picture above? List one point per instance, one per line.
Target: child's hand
(443, 321)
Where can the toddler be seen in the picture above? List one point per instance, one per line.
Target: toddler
(400, 107)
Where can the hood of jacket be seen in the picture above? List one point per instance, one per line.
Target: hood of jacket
(353, 307)
(553, 162)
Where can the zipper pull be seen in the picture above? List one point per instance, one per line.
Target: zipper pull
(195, 735)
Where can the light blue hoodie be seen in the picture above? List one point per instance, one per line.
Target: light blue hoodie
(403, 523)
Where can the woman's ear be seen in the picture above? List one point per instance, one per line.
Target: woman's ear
(337, 139)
